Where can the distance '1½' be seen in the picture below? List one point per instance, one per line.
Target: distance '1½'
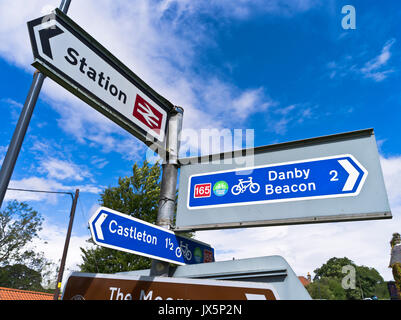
(170, 245)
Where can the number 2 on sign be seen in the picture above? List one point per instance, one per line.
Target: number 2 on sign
(334, 174)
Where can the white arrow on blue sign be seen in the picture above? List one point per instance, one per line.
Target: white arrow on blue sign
(318, 178)
(122, 232)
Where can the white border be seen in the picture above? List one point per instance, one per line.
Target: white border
(362, 182)
(125, 216)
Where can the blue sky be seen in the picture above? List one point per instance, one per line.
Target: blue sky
(286, 69)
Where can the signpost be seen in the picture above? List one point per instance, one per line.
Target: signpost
(119, 231)
(83, 286)
(67, 54)
(320, 178)
(333, 178)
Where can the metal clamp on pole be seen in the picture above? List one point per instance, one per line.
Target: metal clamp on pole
(165, 215)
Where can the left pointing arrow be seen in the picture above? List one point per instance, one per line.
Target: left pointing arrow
(98, 226)
(45, 35)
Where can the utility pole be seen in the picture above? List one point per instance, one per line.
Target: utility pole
(17, 139)
(66, 244)
(165, 214)
(74, 199)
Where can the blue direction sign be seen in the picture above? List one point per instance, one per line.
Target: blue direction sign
(119, 231)
(329, 177)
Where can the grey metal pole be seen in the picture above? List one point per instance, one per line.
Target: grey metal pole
(19, 134)
(65, 5)
(66, 244)
(165, 214)
(17, 139)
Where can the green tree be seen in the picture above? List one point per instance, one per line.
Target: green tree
(327, 289)
(329, 277)
(333, 268)
(19, 225)
(369, 280)
(137, 196)
(19, 276)
(22, 267)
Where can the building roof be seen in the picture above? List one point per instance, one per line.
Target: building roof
(303, 280)
(16, 294)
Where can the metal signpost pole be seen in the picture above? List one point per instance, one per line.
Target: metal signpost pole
(19, 134)
(65, 5)
(67, 242)
(165, 215)
(22, 125)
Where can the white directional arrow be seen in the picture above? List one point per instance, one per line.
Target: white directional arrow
(98, 226)
(353, 174)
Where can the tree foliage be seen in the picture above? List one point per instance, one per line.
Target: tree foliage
(19, 276)
(327, 289)
(19, 224)
(138, 196)
(328, 282)
(21, 267)
(396, 239)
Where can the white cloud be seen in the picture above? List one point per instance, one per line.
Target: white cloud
(158, 43)
(249, 102)
(12, 106)
(392, 177)
(240, 9)
(379, 61)
(62, 170)
(3, 151)
(376, 68)
(99, 163)
(280, 118)
(51, 241)
(13, 103)
(38, 183)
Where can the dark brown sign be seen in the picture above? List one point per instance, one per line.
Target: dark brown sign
(85, 286)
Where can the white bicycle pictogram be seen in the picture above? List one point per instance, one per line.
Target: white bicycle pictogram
(185, 251)
(242, 186)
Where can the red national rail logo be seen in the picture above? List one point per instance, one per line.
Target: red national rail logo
(147, 114)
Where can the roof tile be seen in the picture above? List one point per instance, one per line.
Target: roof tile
(16, 294)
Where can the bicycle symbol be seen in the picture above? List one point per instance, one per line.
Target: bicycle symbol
(243, 185)
(185, 251)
